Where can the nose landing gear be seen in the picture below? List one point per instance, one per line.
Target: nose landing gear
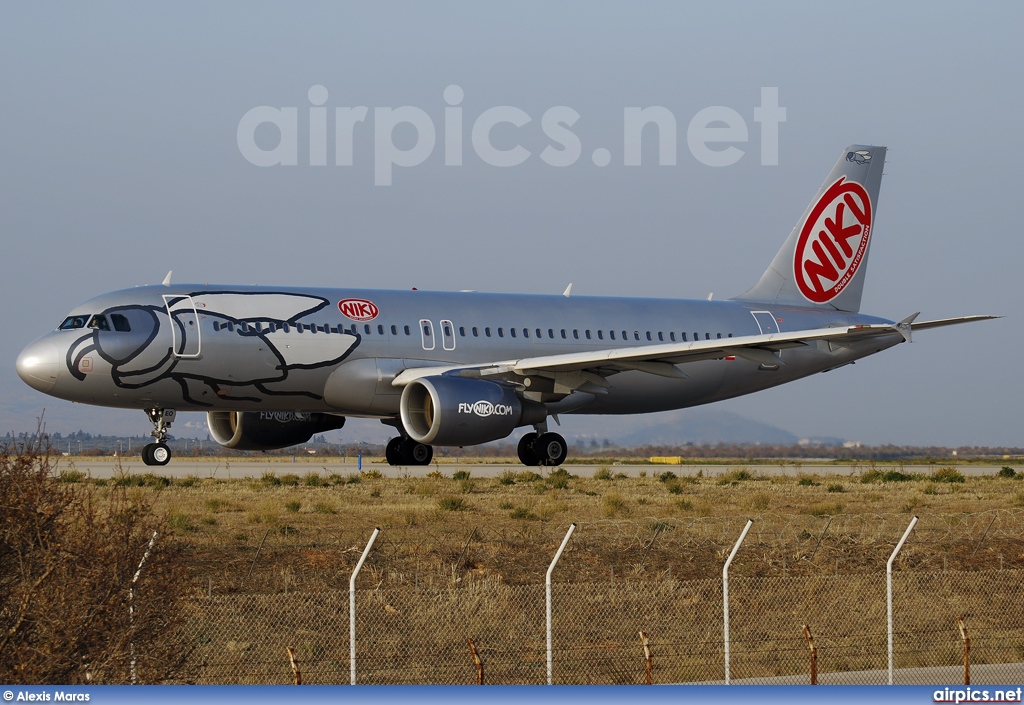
(158, 453)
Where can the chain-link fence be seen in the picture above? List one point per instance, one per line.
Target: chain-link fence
(827, 574)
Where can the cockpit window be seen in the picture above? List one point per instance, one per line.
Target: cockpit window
(99, 322)
(73, 322)
(120, 323)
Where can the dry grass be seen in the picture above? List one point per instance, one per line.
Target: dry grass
(520, 516)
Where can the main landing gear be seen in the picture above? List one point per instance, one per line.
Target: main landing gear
(158, 453)
(406, 451)
(544, 449)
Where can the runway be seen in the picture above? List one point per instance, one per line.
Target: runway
(235, 468)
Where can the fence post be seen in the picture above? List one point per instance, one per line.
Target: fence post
(967, 650)
(131, 606)
(352, 605)
(296, 675)
(888, 591)
(814, 655)
(476, 660)
(547, 583)
(647, 654)
(725, 594)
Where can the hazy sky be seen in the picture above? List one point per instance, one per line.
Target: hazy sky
(120, 159)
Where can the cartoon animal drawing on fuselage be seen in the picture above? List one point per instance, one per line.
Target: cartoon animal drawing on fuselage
(163, 341)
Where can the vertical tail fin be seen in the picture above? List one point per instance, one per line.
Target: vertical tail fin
(824, 260)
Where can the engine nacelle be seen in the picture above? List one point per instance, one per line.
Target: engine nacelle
(453, 411)
(267, 430)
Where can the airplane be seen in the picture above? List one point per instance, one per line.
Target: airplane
(273, 366)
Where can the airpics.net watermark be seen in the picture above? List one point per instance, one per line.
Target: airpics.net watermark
(711, 135)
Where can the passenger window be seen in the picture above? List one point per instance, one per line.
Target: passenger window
(512, 332)
(551, 332)
(539, 333)
(600, 335)
(380, 330)
(730, 335)
(99, 322)
(611, 333)
(476, 332)
(526, 332)
(707, 336)
(696, 336)
(575, 334)
(230, 326)
(649, 336)
(636, 335)
(408, 331)
(672, 336)
(462, 331)
(120, 323)
(487, 331)
(625, 335)
(661, 336)
(564, 336)
(394, 330)
(719, 336)
(501, 332)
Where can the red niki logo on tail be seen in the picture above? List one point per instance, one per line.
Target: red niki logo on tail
(833, 241)
(358, 309)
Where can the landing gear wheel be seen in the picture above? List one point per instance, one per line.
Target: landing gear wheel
(160, 454)
(156, 454)
(526, 452)
(550, 449)
(393, 451)
(417, 453)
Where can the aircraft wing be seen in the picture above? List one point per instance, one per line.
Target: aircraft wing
(587, 370)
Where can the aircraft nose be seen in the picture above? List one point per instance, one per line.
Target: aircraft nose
(38, 365)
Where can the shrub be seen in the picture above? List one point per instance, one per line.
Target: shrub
(324, 508)
(836, 487)
(293, 506)
(460, 475)
(67, 558)
(522, 513)
(947, 475)
(372, 475)
(270, 479)
(290, 480)
(71, 476)
(452, 504)
(507, 478)
(806, 481)
(614, 504)
(603, 473)
(313, 479)
(1007, 471)
(666, 476)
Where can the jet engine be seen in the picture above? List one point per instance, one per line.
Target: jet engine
(267, 430)
(453, 411)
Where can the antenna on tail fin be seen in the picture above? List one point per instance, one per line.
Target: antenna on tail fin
(823, 261)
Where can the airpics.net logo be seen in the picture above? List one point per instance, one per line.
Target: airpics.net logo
(712, 134)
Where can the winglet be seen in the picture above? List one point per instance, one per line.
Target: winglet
(904, 326)
(167, 279)
(568, 290)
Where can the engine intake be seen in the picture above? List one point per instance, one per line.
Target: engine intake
(451, 411)
(267, 430)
